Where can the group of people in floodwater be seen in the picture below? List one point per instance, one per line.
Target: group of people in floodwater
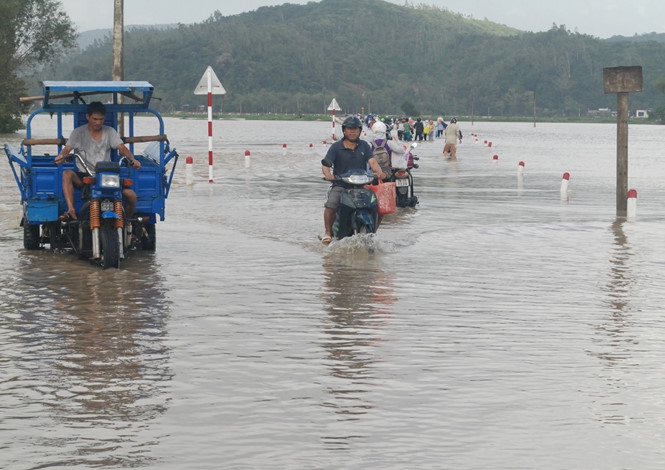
(409, 129)
(353, 153)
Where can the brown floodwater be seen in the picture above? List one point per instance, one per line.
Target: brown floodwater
(494, 326)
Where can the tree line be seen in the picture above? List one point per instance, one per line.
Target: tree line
(373, 57)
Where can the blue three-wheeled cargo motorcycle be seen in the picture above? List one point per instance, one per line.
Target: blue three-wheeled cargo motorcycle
(101, 232)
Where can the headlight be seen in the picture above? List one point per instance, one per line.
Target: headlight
(358, 179)
(110, 181)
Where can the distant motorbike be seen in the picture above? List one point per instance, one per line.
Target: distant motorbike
(404, 180)
(358, 211)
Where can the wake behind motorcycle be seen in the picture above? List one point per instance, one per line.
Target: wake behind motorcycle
(358, 211)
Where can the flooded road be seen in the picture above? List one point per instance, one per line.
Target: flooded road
(494, 326)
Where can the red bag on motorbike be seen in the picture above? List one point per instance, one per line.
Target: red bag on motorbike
(385, 195)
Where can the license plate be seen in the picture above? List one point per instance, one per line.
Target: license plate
(107, 205)
(402, 182)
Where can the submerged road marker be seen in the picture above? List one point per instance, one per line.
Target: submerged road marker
(564, 186)
(631, 205)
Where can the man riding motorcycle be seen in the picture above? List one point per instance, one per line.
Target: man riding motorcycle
(349, 153)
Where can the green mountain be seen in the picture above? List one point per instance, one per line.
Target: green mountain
(377, 57)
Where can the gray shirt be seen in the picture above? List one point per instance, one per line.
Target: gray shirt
(92, 150)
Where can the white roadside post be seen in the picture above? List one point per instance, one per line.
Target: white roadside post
(210, 85)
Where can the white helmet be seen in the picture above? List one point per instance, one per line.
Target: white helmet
(379, 128)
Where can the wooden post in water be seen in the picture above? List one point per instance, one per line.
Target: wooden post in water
(622, 80)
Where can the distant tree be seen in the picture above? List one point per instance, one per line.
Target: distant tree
(409, 109)
(34, 33)
(657, 114)
(660, 85)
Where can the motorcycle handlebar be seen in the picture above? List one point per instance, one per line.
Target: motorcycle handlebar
(80, 159)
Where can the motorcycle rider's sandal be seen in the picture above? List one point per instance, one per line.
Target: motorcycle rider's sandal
(326, 239)
(67, 216)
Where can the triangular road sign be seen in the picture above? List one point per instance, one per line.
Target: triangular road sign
(334, 106)
(215, 85)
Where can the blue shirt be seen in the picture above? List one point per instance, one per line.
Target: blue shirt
(345, 160)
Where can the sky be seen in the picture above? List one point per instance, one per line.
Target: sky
(600, 18)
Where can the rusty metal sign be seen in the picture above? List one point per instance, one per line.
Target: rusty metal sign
(622, 79)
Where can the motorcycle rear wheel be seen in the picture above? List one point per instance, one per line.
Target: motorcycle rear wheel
(31, 239)
(149, 237)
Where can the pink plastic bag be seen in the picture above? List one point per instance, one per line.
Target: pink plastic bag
(386, 197)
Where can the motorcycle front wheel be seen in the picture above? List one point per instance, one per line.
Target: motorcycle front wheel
(364, 223)
(109, 248)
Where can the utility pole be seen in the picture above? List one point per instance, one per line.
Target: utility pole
(118, 47)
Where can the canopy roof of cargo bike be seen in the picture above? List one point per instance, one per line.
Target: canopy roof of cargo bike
(77, 92)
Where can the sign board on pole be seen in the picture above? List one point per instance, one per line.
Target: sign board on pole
(216, 87)
(333, 106)
(622, 79)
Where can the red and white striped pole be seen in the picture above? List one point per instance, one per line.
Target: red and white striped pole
(210, 178)
(189, 172)
(564, 186)
(333, 122)
(631, 204)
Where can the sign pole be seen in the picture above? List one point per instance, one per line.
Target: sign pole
(210, 85)
(333, 123)
(622, 153)
(210, 178)
(333, 106)
(622, 80)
